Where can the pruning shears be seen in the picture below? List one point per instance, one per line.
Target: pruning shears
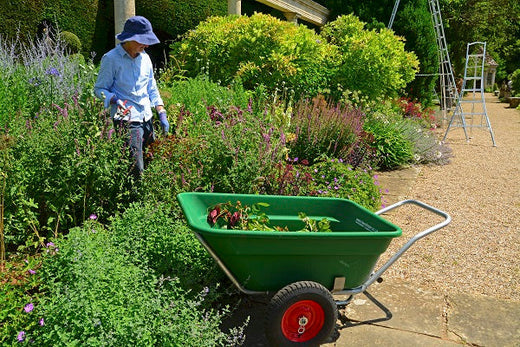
(122, 110)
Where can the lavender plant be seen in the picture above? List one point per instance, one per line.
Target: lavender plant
(39, 74)
(321, 128)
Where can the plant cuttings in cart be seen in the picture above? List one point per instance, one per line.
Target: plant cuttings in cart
(243, 217)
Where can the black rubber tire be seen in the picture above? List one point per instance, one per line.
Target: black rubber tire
(294, 293)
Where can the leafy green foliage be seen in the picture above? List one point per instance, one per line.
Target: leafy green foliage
(263, 50)
(65, 165)
(71, 42)
(153, 238)
(97, 294)
(19, 282)
(256, 50)
(335, 178)
(372, 62)
(228, 151)
(393, 149)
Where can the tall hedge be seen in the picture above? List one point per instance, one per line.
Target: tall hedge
(93, 20)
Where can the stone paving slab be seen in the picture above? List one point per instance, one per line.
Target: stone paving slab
(397, 184)
(398, 306)
(370, 335)
(484, 321)
(399, 314)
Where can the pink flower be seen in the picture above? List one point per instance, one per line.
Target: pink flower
(21, 336)
(41, 322)
(28, 308)
(32, 272)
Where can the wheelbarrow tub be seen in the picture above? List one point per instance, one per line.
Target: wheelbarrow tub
(269, 260)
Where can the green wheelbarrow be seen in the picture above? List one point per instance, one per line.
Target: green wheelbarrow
(304, 270)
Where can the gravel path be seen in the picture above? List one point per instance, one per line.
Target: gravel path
(478, 253)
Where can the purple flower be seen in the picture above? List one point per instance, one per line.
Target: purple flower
(28, 308)
(41, 322)
(93, 216)
(53, 72)
(32, 272)
(21, 336)
(49, 244)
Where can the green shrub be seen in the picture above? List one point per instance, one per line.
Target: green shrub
(19, 295)
(154, 238)
(256, 50)
(62, 167)
(333, 177)
(393, 149)
(71, 42)
(194, 95)
(228, 151)
(371, 62)
(97, 295)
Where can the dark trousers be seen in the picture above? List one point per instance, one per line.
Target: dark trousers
(140, 135)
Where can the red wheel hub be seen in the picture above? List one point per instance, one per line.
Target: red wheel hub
(302, 321)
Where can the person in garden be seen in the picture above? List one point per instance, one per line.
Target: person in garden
(127, 85)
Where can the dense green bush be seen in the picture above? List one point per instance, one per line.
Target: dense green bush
(256, 50)
(263, 50)
(62, 166)
(371, 62)
(154, 238)
(97, 293)
(393, 149)
(71, 42)
(334, 177)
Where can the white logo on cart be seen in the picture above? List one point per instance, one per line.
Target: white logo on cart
(365, 225)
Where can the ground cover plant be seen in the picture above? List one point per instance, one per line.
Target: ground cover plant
(79, 237)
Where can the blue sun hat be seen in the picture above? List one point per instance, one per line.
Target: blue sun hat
(138, 29)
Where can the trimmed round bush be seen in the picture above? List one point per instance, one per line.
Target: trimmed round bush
(71, 42)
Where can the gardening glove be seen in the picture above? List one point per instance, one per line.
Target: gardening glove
(164, 122)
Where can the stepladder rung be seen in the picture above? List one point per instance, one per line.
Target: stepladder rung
(473, 114)
(471, 102)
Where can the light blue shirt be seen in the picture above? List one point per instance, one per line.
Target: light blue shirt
(129, 79)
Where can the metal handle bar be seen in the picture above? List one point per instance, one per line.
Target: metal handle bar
(378, 273)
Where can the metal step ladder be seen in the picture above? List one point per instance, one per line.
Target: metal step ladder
(447, 86)
(471, 105)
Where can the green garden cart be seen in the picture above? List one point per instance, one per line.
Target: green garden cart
(303, 271)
